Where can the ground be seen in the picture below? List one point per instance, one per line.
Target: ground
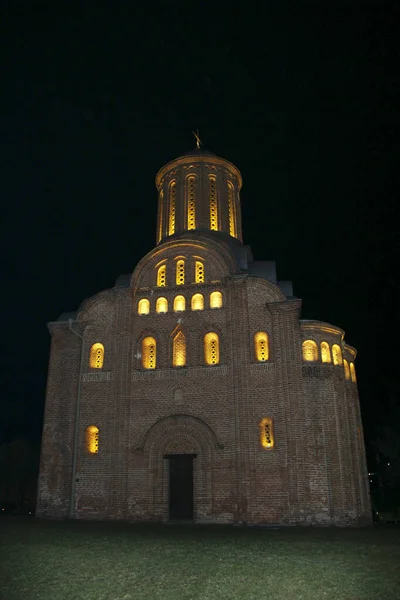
(45, 560)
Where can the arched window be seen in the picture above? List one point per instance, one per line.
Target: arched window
(199, 269)
(179, 350)
(191, 201)
(353, 373)
(261, 346)
(197, 302)
(162, 305)
(325, 352)
(96, 359)
(266, 433)
(213, 202)
(180, 272)
(179, 303)
(346, 369)
(211, 348)
(337, 355)
(149, 353)
(162, 276)
(143, 307)
(92, 439)
(215, 300)
(310, 350)
(172, 201)
(231, 210)
(160, 216)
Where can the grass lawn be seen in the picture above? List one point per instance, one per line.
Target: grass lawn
(44, 560)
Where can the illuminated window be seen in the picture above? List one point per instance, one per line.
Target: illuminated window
(346, 369)
(179, 303)
(191, 206)
(199, 268)
(96, 359)
(160, 216)
(261, 346)
(337, 355)
(180, 272)
(197, 302)
(92, 439)
(162, 276)
(172, 202)
(149, 353)
(179, 350)
(215, 300)
(325, 352)
(211, 348)
(162, 305)
(231, 210)
(213, 203)
(143, 307)
(310, 350)
(353, 373)
(266, 433)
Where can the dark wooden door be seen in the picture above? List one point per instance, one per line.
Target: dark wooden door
(181, 486)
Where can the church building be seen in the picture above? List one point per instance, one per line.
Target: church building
(192, 390)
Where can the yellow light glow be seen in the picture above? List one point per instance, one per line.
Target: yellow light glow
(162, 305)
(160, 215)
(325, 352)
(310, 350)
(199, 272)
(149, 353)
(337, 355)
(211, 348)
(266, 433)
(96, 358)
(261, 346)
(179, 303)
(191, 203)
(353, 373)
(179, 350)
(213, 203)
(231, 210)
(346, 369)
(180, 272)
(143, 307)
(162, 276)
(215, 300)
(92, 439)
(198, 302)
(172, 201)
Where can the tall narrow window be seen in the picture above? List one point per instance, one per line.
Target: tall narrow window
(162, 305)
(180, 272)
(149, 353)
(96, 359)
(143, 307)
(310, 350)
(231, 209)
(325, 352)
(160, 215)
(215, 300)
(197, 302)
(191, 201)
(211, 348)
(261, 346)
(162, 276)
(337, 355)
(172, 206)
(346, 369)
(92, 439)
(179, 350)
(179, 303)
(199, 272)
(353, 373)
(266, 433)
(213, 202)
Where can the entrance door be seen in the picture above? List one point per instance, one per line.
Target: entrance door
(181, 486)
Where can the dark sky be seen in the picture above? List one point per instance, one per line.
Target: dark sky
(95, 99)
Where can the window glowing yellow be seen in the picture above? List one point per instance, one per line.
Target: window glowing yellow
(199, 268)
(353, 373)
(215, 300)
(211, 348)
(213, 203)
(149, 353)
(92, 439)
(160, 216)
(197, 302)
(266, 433)
(162, 305)
(172, 201)
(310, 350)
(179, 350)
(191, 204)
(96, 359)
(162, 276)
(179, 303)
(261, 346)
(337, 355)
(231, 210)
(180, 272)
(143, 307)
(325, 352)
(346, 369)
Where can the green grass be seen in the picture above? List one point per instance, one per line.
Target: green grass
(44, 560)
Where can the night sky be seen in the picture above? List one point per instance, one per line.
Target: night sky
(97, 96)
